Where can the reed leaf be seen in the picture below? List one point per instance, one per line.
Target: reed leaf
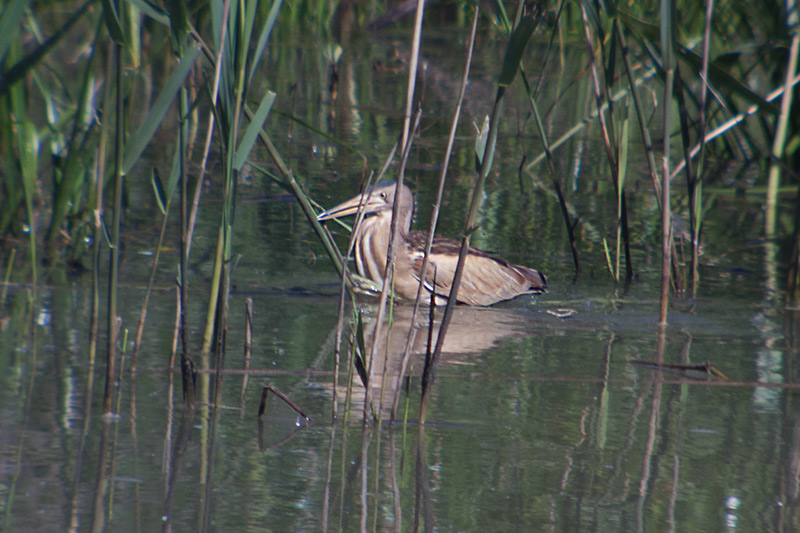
(10, 23)
(141, 139)
(152, 11)
(18, 70)
(177, 21)
(158, 189)
(112, 20)
(517, 44)
(251, 134)
(647, 32)
(263, 37)
(480, 143)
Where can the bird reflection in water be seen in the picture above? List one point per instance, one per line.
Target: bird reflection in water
(472, 330)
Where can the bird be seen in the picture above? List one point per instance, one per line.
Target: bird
(485, 280)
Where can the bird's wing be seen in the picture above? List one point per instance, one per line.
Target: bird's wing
(485, 280)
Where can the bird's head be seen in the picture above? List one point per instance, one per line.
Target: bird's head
(379, 199)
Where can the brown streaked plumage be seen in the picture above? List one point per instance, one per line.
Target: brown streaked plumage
(486, 280)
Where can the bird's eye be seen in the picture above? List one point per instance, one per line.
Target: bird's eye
(383, 196)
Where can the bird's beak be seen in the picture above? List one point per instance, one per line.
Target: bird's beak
(350, 207)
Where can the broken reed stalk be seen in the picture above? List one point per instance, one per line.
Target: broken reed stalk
(388, 274)
(646, 139)
(165, 195)
(412, 75)
(435, 211)
(248, 346)
(262, 407)
(337, 351)
(517, 43)
(347, 283)
(218, 61)
(198, 189)
(405, 145)
(188, 373)
(429, 372)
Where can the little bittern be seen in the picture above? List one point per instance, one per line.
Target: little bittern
(485, 280)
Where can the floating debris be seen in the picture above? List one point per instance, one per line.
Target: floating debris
(703, 368)
(561, 313)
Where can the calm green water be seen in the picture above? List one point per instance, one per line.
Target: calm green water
(536, 423)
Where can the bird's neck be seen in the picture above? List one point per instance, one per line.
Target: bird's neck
(384, 220)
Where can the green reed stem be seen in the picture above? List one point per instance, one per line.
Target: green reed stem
(691, 175)
(150, 283)
(113, 275)
(646, 140)
(696, 192)
(668, 47)
(779, 141)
